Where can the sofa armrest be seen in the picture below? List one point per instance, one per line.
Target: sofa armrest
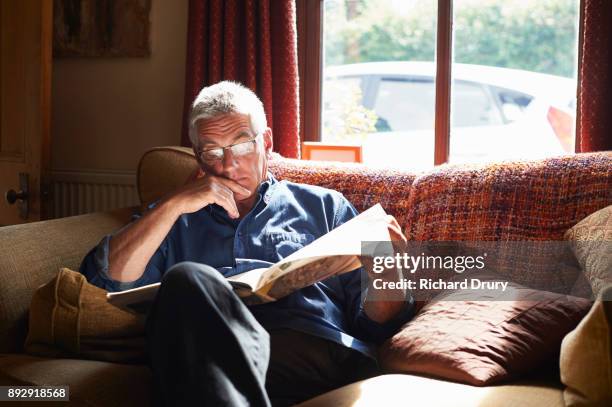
(33, 253)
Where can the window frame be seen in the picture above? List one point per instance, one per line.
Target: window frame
(309, 16)
(309, 19)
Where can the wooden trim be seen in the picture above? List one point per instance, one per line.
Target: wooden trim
(45, 107)
(577, 135)
(1, 76)
(309, 15)
(310, 147)
(444, 58)
(300, 17)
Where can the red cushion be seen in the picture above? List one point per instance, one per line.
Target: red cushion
(483, 342)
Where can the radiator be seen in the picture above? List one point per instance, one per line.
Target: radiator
(76, 193)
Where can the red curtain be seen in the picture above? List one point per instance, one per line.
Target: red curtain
(252, 42)
(595, 97)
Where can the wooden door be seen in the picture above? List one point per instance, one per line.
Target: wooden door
(25, 90)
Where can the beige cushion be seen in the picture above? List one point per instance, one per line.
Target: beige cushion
(33, 253)
(92, 383)
(586, 356)
(406, 390)
(70, 317)
(162, 170)
(591, 241)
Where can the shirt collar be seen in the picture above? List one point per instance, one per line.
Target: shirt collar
(267, 187)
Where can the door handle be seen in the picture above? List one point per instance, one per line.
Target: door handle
(11, 196)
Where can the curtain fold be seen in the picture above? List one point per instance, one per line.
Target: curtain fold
(595, 96)
(253, 42)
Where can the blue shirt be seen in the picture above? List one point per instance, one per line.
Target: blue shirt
(286, 217)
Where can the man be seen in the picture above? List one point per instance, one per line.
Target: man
(205, 346)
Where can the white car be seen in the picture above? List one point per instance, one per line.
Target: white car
(496, 113)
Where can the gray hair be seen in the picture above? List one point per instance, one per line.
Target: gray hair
(223, 98)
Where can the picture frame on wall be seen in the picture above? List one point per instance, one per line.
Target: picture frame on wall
(101, 28)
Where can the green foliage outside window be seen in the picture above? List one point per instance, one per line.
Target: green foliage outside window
(346, 119)
(530, 35)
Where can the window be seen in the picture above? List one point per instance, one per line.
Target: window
(510, 94)
(404, 104)
(474, 106)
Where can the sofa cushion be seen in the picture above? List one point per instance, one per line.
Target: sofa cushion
(586, 356)
(92, 383)
(591, 241)
(525, 200)
(162, 170)
(33, 253)
(513, 201)
(394, 390)
(482, 342)
(362, 186)
(70, 317)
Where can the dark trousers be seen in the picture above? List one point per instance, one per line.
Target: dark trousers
(206, 349)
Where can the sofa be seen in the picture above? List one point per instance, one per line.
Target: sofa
(531, 200)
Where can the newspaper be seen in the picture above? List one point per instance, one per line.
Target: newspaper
(332, 254)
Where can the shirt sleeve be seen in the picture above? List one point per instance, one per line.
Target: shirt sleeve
(95, 265)
(355, 289)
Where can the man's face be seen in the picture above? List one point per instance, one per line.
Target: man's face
(249, 169)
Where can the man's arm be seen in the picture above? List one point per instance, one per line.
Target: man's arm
(374, 317)
(131, 249)
(376, 314)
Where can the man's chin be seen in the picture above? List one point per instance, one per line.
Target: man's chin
(240, 198)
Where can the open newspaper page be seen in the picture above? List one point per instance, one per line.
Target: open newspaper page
(136, 299)
(334, 253)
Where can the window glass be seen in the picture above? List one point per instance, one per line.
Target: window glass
(513, 79)
(403, 104)
(345, 118)
(474, 106)
(513, 104)
(387, 44)
(524, 54)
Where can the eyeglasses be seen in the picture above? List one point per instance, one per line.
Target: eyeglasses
(239, 149)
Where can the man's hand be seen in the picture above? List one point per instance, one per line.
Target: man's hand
(383, 305)
(207, 190)
(395, 232)
(132, 248)
(399, 242)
